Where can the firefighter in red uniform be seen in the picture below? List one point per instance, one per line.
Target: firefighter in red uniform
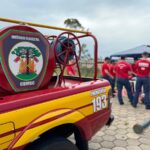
(143, 72)
(123, 70)
(105, 70)
(132, 79)
(134, 65)
(71, 68)
(112, 72)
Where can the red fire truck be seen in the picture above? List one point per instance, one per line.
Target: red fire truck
(39, 108)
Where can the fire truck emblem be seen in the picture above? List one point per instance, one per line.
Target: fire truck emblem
(25, 61)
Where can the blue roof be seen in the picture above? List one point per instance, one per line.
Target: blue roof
(133, 52)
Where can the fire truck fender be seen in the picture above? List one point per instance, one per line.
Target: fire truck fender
(46, 122)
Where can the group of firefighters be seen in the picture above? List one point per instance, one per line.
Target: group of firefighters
(120, 72)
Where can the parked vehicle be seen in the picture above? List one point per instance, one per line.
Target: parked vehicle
(40, 109)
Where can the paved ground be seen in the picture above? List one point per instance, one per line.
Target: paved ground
(120, 135)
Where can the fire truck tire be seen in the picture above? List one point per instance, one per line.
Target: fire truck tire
(57, 143)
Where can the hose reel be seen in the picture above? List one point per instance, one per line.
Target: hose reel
(67, 47)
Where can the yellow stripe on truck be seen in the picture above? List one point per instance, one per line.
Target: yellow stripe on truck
(70, 102)
(35, 132)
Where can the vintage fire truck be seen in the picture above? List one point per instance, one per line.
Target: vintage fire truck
(39, 107)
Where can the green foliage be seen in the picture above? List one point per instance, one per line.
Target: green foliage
(88, 71)
(84, 53)
(73, 23)
(22, 51)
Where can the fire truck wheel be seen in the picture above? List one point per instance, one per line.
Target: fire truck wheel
(58, 143)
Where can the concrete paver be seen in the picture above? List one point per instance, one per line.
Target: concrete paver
(109, 138)
(120, 135)
(107, 144)
(118, 148)
(94, 146)
(144, 147)
(132, 142)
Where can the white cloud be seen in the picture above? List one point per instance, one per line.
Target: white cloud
(117, 24)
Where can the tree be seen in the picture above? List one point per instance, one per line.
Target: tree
(84, 53)
(27, 53)
(73, 23)
(85, 56)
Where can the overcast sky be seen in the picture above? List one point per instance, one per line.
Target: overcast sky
(117, 24)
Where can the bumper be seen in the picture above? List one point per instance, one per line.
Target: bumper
(110, 120)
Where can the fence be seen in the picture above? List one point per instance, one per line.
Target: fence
(87, 69)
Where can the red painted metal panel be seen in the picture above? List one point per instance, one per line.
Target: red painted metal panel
(22, 100)
(8, 80)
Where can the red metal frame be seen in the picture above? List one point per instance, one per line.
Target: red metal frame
(66, 56)
(23, 100)
(95, 52)
(51, 37)
(78, 57)
(58, 41)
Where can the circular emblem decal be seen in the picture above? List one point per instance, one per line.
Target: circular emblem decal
(25, 61)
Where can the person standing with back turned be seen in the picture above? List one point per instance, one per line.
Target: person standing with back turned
(105, 70)
(143, 72)
(112, 72)
(123, 70)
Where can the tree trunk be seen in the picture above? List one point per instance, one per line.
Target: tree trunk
(27, 67)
